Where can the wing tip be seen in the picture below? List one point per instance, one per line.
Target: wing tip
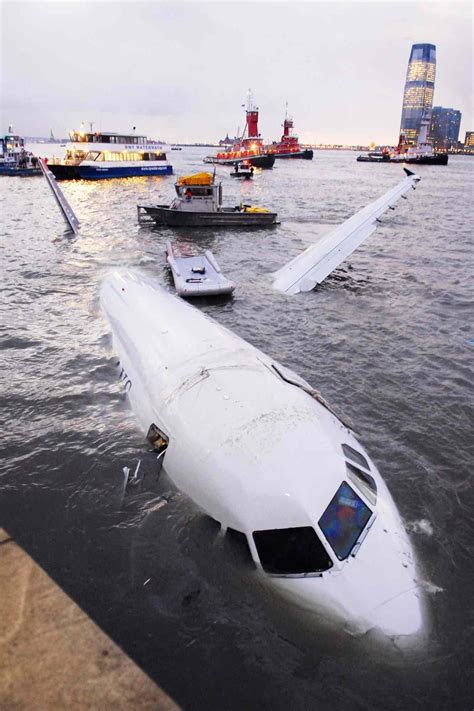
(411, 174)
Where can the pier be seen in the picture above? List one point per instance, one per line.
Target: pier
(53, 656)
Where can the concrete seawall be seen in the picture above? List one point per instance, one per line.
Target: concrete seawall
(53, 656)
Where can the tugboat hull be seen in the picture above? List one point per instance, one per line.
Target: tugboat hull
(262, 161)
(437, 159)
(227, 217)
(306, 154)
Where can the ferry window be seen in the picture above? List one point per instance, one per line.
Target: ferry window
(344, 520)
(363, 481)
(356, 456)
(291, 551)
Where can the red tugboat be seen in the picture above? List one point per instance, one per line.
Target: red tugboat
(289, 146)
(249, 148)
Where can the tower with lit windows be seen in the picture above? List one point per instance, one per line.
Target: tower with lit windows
(444, 129)
(419, 90)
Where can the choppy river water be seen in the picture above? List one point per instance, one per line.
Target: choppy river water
(389, 341)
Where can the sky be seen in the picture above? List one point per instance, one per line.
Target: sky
(180, 71)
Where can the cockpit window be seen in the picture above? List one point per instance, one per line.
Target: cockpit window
(364, 482)
(291, 551)
(355, 456)
(344, 520)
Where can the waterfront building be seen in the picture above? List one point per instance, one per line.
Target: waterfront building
(419, 90)
(469, 141)
(444, 128)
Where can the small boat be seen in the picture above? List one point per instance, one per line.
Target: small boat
(14, 159)
(249, 147)
(176, 148)
(94, 156)
(374, 157)
(199, 204)
(199, 275)
(289, 145)
(420, 154)
(244, 171)
(259, 450)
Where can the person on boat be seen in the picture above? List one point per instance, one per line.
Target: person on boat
(188, 194)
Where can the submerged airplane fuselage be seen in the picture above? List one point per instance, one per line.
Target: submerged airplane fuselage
(253, 446)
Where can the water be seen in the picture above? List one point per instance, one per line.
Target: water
(387, 340)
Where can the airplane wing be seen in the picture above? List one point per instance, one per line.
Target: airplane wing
(313, 265)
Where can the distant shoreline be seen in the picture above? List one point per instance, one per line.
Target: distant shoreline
(316, 147)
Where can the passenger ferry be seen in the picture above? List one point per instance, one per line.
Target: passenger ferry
(92, 156)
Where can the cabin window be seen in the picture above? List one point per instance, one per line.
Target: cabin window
(291, 551)
(344, 520)
(93, 155)
(364, 482)
(356, 456)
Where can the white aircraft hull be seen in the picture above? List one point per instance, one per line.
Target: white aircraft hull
(257, 452)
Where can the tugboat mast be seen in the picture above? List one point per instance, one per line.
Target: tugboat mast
(252, 118)
(287, 123)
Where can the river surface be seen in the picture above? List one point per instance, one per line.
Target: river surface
(388, 340)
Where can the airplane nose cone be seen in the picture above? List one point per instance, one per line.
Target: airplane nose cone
(401, 615)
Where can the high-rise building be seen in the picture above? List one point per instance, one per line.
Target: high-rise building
(444, 129)
(419, 90)
(469, 141)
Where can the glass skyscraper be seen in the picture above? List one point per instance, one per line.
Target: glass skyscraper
(419, 90)
(444, 129)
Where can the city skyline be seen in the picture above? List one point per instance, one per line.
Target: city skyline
(172, 71)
